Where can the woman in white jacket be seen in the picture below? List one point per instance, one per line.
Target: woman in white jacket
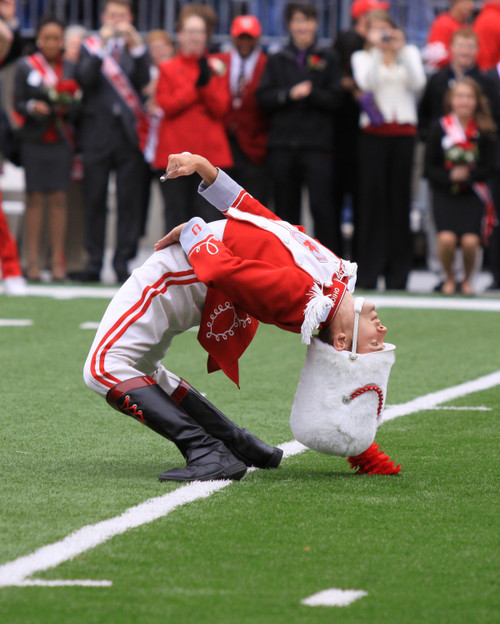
(390, 75)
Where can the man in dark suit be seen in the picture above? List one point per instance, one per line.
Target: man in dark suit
(112, 70)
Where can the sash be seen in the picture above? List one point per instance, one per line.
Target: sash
(48, 78)
(309, 254)
(117, 78)
(151, 142)
(39, 63)
(457, 136)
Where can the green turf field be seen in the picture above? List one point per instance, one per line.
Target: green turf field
(423, 545)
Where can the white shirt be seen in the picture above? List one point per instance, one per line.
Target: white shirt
(235, 68)
(396, 87)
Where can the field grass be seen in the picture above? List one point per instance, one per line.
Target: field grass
(423, 544)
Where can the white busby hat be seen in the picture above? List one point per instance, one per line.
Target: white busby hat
(340, 396)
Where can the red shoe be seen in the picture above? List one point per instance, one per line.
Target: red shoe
(373, 461)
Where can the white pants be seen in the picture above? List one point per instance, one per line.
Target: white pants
(161, 299)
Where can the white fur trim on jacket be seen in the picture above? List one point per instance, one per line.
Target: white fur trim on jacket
(316, 311)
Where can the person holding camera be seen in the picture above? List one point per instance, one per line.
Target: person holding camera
(193, 93)
(112, 70)
(390, 75)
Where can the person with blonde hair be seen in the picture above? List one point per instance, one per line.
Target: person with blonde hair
(464, 49)
(459, 160)
(193, 94)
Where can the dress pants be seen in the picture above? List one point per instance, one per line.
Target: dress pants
(384, 242)
(182, 202)
(493, 249)
(252, 177)
(128, 163)
(290, 169)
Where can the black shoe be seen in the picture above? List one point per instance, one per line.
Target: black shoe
(395, 286)
(84, 276)
(122, 276)
(216, 466)
(241, 442)
(121, 270)
(206, 457)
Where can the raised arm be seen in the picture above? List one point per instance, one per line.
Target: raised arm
(216, 187)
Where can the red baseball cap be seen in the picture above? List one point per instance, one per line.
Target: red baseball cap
(360, 7)
(246, 25)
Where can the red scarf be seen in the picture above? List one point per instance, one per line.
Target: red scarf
(460, 136)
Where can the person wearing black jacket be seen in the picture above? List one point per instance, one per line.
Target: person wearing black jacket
(494, 246)
(45, 101)
(301, 88)
(464, 50)
(112, 70)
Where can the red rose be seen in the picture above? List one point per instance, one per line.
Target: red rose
(68, 86)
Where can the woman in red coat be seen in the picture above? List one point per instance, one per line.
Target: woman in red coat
(192, 91)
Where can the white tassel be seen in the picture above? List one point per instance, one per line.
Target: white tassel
(314, 312)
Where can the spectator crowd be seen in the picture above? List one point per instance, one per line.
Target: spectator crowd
(349, 123)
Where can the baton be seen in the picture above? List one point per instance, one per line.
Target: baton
(167, 174)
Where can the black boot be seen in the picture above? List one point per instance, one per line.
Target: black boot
(206, 457)
(243, 444)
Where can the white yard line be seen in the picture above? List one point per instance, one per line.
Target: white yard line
(72, 292)
(475, 304)
(461, 408)
(334, 597)
(434, 399)
(16, 322)
(413, 301)
(89, 325)
(17, 572)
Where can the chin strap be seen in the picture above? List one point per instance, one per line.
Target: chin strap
(358, 306)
